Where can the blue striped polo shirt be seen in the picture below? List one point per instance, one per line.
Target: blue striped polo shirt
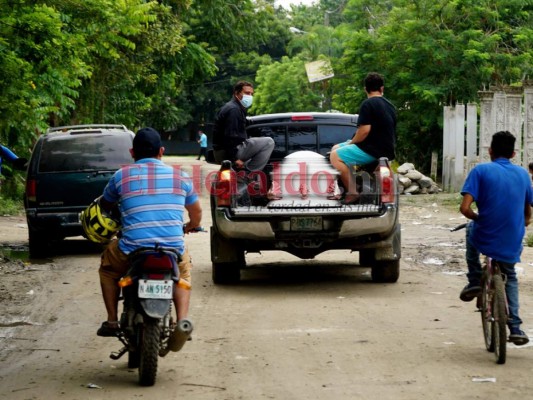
(152, 197)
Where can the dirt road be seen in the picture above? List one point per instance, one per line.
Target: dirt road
(292, 329)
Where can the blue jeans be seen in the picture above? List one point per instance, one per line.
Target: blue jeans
(474, 277)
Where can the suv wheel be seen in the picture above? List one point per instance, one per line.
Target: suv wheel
(386, 271)
(38, 244)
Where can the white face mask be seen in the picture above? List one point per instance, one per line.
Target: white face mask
(247, 100)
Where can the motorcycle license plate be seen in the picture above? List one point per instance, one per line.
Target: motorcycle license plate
(152, 289)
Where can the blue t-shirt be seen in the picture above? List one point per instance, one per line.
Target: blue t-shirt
(203, 140)
(501, 190)
(152, 197)
(7, 154)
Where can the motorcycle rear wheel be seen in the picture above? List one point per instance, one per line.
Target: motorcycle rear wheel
(149, 351)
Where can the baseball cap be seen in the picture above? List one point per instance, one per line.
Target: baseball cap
(147, 142)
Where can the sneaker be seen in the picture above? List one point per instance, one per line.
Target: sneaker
(470, 292)
(108, 329)
(518, 337)
(334, 192)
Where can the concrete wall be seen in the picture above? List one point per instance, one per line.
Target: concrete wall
(502, 108)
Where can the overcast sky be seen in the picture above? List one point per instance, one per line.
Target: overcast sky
(287, 3)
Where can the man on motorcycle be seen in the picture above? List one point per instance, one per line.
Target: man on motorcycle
(151, 197)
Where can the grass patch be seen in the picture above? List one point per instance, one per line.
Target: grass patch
(529, 240)
(11, 206)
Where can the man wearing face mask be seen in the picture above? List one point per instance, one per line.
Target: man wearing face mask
(230, 137)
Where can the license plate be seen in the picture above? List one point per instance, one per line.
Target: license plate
(152, 289)
(306, 223)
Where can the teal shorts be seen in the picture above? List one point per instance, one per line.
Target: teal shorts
(351, 154)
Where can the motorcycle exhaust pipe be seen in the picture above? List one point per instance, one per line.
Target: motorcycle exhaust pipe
(180, 335)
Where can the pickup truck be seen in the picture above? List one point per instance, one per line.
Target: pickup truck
(301, 212)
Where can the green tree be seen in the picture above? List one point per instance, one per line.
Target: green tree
(324, 12)
(242, 36)
(42, 66)
(283, 87)
(140, 81)
(433, 53)
(96, 61)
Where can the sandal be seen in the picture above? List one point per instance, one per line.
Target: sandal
(350, 199)
(108, 329)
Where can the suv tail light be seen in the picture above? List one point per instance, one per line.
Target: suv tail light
(386, 178)
(225, 185)
(31, 190)
(302, 118)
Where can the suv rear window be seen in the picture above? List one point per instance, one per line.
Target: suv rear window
(82, 153)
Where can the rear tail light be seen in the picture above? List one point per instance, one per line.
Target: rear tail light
(158, 262)
(386, 178)
(31, 190)
(159, 277)
(225, 185)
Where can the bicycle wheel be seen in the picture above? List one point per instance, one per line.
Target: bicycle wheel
(499, 327)
(486, 311)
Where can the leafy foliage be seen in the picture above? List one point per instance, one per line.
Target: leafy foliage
(283, 87)
(434, 53)
(172, 63)
(42, 67)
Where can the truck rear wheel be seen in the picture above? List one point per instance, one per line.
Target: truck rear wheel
(386, 271)
(226, 273)
(227, 259)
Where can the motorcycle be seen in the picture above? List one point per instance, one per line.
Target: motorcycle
(147, 328)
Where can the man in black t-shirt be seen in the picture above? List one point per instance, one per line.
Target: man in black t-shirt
(375, 136)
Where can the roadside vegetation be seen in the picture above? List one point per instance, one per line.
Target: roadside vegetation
(170, 64)
(10, 207)
(450, 201)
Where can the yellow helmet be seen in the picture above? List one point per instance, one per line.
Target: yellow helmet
(99, 226)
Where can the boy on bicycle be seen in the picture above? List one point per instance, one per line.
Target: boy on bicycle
(503, 194)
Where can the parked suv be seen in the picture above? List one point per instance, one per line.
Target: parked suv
(306, 217)
(69, 168)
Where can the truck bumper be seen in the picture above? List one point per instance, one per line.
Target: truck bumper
(356, 223)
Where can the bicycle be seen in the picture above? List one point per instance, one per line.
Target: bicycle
(492, 303)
